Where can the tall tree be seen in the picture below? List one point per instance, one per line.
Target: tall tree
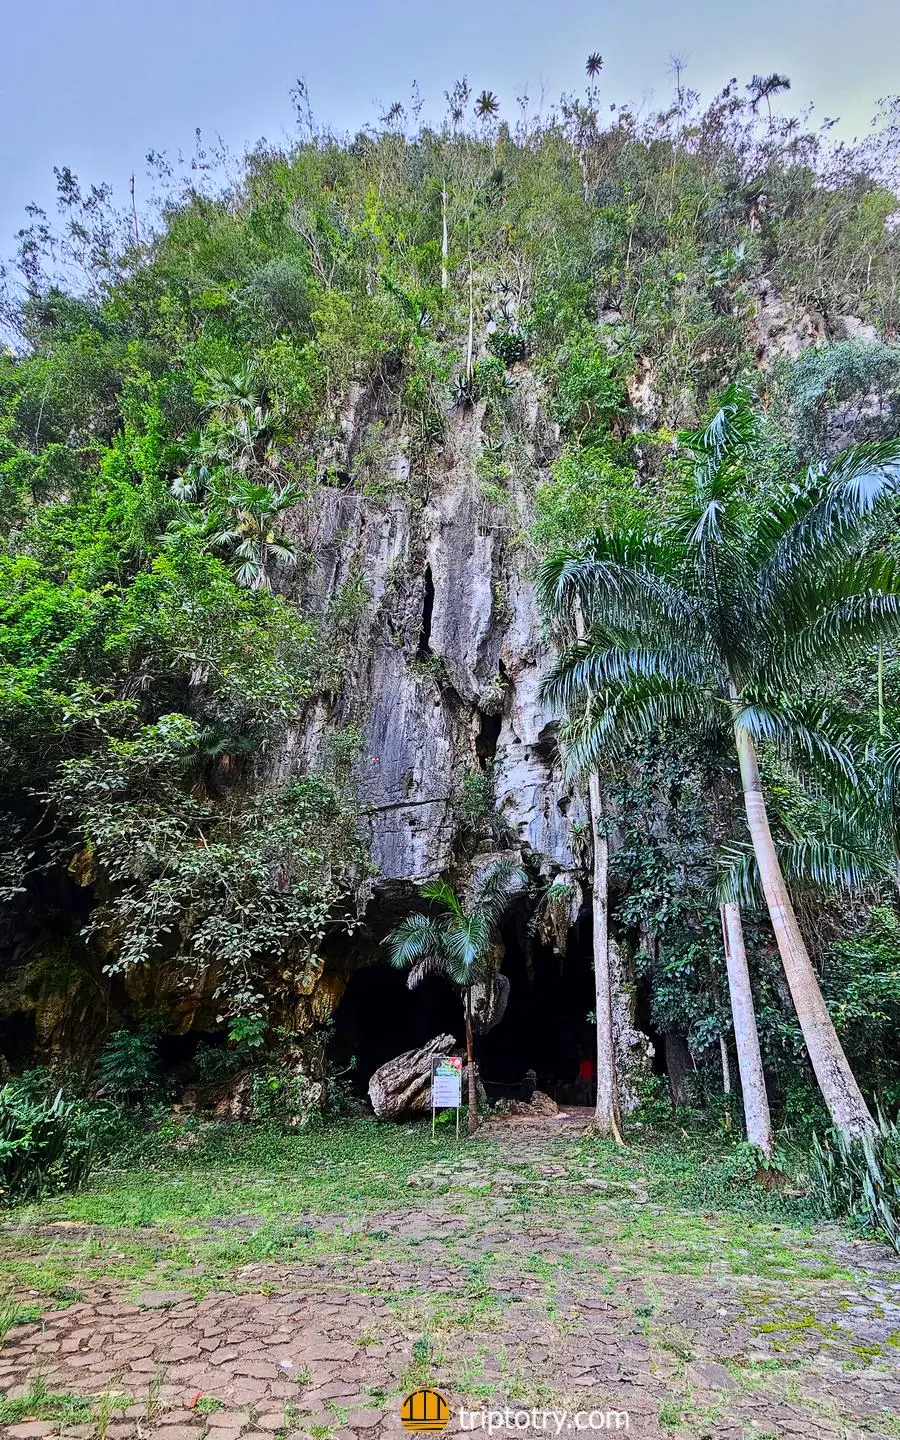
(720, 620)
(757, 1119)
(458, 944)
(763, 87)
(607, 1116)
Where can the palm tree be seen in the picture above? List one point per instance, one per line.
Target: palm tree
(757, 1117)
(718, 620)
(594, 64)
(763, 87)
(248, 530)
(607, 1115)
(487, 105)
(457, 944)
(234, 397)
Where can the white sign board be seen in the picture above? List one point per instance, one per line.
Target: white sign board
(446, 1083)
(446, 1087)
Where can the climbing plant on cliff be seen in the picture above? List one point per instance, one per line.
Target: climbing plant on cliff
(236, 890)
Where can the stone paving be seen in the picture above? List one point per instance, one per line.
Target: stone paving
(497, 1301)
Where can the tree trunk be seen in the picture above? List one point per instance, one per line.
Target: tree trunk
(470, 344)
(445, 239)
(726, 1076)
(607, 1121)
(842, 1095)
(470, 1058)
(757, 1119)
(680, 1069)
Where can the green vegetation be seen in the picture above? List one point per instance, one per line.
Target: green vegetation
(48, 1141)
(861, 1179)
(556, 306)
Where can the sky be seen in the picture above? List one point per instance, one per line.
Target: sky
(95, 84)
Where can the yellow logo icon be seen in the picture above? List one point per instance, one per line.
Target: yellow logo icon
(424, 1410)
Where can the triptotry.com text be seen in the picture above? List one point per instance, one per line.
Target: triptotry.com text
(554, 1422)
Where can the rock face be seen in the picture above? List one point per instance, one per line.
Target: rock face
(634, 1050)
(443, 668)
(442, 664)
(781, 328)
(403, 1085)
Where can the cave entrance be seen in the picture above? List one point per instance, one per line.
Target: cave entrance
(378, 1018)
(545, 1028)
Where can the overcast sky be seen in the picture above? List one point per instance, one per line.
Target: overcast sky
(95, 84)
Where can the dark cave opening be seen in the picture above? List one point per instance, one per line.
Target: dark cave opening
(643, 1020)
(545, 1028)
(487, 738)
(379, 1017)
(424, 647)
(176, 1052)
(18, 1039)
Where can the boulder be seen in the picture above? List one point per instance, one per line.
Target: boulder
(539, 1104)
(403, 1085)
(851, 327)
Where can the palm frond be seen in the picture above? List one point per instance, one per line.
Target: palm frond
(582, 671)
(413, 939)
(835, 511)
(864, 475)
(493, 891)
(837, 633)
(620, 582)
(442, 893)
(731, 429)
(621, 717)
(283, 551)
(432, 964)
(831, 861)
(816, 731)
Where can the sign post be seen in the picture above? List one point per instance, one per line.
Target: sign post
(446, 1087)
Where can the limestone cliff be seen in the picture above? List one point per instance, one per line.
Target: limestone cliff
(443, 670)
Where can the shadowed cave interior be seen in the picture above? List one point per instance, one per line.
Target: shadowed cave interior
(545, 1027)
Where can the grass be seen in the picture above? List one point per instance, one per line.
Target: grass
(208, 1405)
(12, 1314)
(41, 1403)
(204, 1200)
(226, 1208)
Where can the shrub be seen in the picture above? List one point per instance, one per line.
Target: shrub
(822, 380)
(127, 1068)
(508, 344)
(490, 381)
(280, 291)
(860, 1179)
(46, 1145)
(214, 1064)
(586, 387)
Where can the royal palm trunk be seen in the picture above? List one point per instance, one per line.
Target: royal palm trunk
(470, 1061)
(606, 1114)
(757, 1119)
(607, 1120)
(842, 1095)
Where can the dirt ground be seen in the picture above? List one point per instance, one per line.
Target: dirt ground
(482, 1285)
